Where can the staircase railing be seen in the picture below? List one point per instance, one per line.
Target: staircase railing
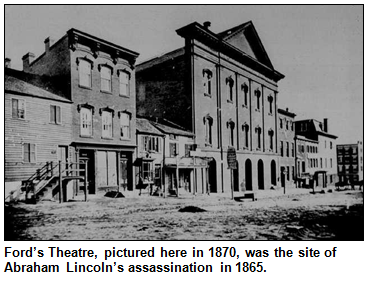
(49, 171)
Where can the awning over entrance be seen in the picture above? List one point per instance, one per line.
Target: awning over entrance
(139, 161)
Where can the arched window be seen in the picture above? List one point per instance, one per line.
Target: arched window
(208, 121)
(246, 135)
(258, 131)
(106, 72)
(270, 134)
(207, 82)
(86, 111)
(124, 82)
(230, 82)
(107, 115)
(270, 101)
(257, 93)
(231, 125)
(85, 73)
(244, 88)
(125, 129)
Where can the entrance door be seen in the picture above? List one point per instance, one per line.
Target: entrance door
(63, 156)
(248, 175)
(260, 175)
(236, 178)
(282, 175)
(124, 172)
(212, 176)
(89, 156)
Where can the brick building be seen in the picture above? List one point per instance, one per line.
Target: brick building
(350, 162)
(99, 78)
(38, 126)
(318, 150)
(286, 134)
(223, 88)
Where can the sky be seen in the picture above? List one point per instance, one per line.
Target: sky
(318, 48)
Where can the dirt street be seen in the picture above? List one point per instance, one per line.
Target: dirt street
(299, 216)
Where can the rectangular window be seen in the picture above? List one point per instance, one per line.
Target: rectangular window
(106, 124)
(18, 108)
(282, 148)
(55, 114)
(124, 83)
(287, 149)
(151, 144)
(147, 171)
(173, 149)
(29, 153)
(287, 173)
(85, 74)
(125, 126)
(188, 148)
(86, 122)
(331, 162)
(106, 79)
(292, 150)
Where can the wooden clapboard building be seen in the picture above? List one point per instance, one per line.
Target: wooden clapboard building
(38, 125)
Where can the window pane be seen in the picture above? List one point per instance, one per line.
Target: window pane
(15, 108)
(52, 114)
(105, 79)
(58, 115)
(86, 122)
(106, 124)
(26, 153)
(125, 125)
(84, 73)
(124, 83)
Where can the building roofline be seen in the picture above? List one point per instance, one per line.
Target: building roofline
(108, 43)
(160, 58)
(286, 113)
(190, 30)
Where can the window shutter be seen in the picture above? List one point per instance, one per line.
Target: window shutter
(14, 108)
(52, 114)
(32, 149)
(26, 152)
(58, 114)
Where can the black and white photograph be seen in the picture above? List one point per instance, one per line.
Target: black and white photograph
(183, 123)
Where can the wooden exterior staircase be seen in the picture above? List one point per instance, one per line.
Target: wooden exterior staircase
(51, 181)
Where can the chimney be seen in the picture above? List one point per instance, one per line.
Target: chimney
(287, 109)
(325, 125)
(207, 25)
(7, 62)
(27, 60)
(48, 43)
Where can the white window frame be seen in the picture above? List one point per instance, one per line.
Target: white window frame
(106, 79)
(125, 129)
(56, 121)
(124, 83)
(107, 124)
(88, 75)
(17, 113)
(29, 153)
(87, 130)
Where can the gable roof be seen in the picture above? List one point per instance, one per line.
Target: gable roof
(144, 126)
(245, 38)
(171, 130)
(16, 85)
(243, 45)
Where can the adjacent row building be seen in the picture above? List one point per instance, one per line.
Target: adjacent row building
(166, 124)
